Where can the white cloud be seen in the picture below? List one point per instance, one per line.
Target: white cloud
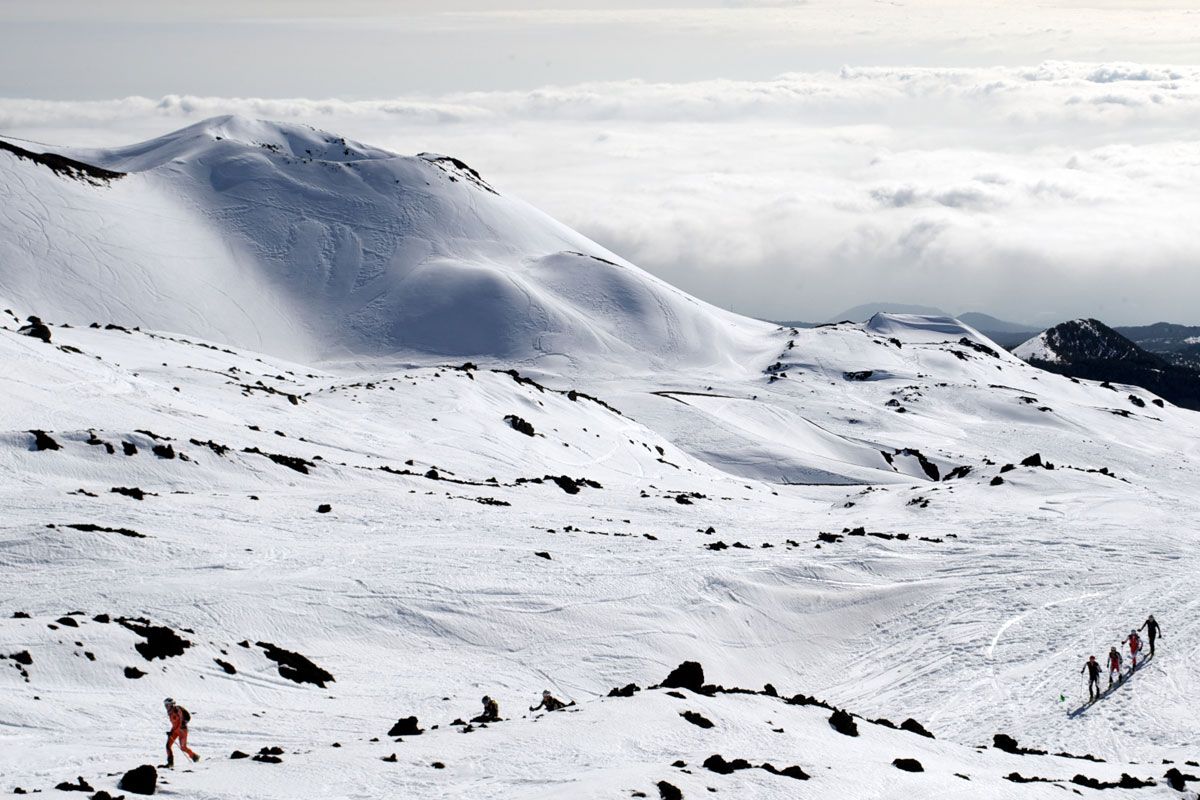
(1037, 193)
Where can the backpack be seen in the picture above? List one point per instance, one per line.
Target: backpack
(183, 712)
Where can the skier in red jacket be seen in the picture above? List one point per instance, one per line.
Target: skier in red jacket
(1114, 665)
(179, 717)
(1135, 645)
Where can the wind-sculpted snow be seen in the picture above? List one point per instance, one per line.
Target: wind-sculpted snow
(431, 549)
(285, 239)
(306, 552)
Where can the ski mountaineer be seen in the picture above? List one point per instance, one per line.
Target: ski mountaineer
(1135, 645)
(491, 711)
(549, 702)
(1152, 630)
(1093, 669)
(180, 718)
(1114, 665)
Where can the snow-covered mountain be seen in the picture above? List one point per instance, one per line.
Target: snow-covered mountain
(1088, 348)
(294, 241)
(895, 519)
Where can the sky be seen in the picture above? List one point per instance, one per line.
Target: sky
(787, 160)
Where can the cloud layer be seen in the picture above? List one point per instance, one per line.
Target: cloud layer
(1036, 193)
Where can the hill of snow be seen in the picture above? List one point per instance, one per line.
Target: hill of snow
(292, 241)
(896, 519)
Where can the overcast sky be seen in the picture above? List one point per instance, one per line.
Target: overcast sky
(1036, 160)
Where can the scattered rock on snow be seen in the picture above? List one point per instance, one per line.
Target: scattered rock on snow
(843, 723)
(296, 667)
(688, 675)
(908, 764)
(81, 786)
(406, 726)
(140, 780)
(44, 441)
(520, 425)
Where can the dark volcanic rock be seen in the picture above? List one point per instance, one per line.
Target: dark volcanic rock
(140, 780)
(296, 667)
(843, 723)
(406, 726)
(160, 641)
(688, 675)
(908, 765)
(44, 441)
(324, 508)
(225, 665)
(520, 425)
(35, 328)
(627, 690)
(667, 791)
(81, 786)
(717, 763)
(133, 673)
(699, 720)
(912, 726)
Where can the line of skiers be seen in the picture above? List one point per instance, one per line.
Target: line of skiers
(179, 719)
(1134, 640)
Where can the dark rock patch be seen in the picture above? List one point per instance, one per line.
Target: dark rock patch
(219, 449)
(268, 755)
(225, 665)
(1178, 780)
(542, 554)
(519, 424)
(1007, 744)
(131, 491)
(88, 527)
(843, 723)
(908, 764)
(717, 763)
(238, 754)
(140, 780)
(406, 726)
(133, 673)
(160, 641)
(129, 448)
(291, 462)
(699, 720)
(44, 441)
(793, 772)
(36, 329)
(81, 786)
(1017, 777)
(627, 690)
(667, 791)
(688, 675)
(165, 451)
(860, 375)
(324, 508)
(296, 667)
(912, 726)
(1127, 782)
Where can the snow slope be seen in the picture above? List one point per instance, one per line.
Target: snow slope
(289, 240)
(853, 512)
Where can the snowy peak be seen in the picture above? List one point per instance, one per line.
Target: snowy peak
(293, 241)
(1087, 348)
(1081, 340)
(223, 137)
